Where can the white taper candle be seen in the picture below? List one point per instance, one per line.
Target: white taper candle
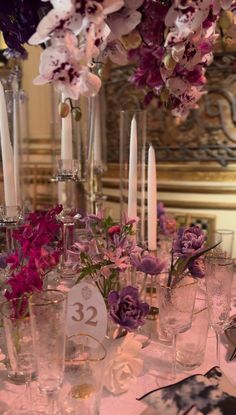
(7, 154)
(16, 138)
(133, 154)
(152, 200)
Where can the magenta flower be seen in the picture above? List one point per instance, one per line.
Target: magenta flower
(23, 282)
(114, 229)
(39, 251)
(126, 309)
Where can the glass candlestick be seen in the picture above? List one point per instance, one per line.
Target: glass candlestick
(10, 218)
(68, 169)
(68, 217)
(95, 191)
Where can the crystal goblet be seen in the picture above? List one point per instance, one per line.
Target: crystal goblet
(219, 278)
(176, 305)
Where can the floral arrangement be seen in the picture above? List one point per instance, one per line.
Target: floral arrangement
(39, 251)
(108, 250)
(171, 42)
(187, 254)
(105, 251)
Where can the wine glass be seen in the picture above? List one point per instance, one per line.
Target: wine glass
(227, 240)
(176, 305)
(219, 278)
(48, 322)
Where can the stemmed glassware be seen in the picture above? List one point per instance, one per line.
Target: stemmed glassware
(227, 239)
(48, 323)
(176, 305)
(219, 278)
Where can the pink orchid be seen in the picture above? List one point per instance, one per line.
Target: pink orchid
(124, 20)
(188, 20)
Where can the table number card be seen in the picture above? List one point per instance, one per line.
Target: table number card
(87, 311)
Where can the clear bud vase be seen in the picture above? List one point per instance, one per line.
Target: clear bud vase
(127, 150)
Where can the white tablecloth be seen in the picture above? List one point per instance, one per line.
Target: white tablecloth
(156, 373)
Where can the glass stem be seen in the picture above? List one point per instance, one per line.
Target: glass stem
(51, 402)
(217, 347)
(174, 357)
(66, 238)
(28, 394)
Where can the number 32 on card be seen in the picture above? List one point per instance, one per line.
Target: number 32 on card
(87, 311)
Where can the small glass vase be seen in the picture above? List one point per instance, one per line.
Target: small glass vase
(19, 341)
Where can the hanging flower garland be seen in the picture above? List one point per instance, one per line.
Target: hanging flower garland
(171, 43)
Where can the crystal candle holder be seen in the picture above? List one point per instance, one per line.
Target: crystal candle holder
(10, 217)
(68, 169)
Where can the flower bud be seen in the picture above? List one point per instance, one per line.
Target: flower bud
(169, 62)
(63, 109)
(226, 20)
(77, 114)
(131, 41)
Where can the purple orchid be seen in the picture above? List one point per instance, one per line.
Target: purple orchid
(126, 309)
(189, 241)
(148, 264)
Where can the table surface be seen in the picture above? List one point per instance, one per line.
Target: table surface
(156, 373)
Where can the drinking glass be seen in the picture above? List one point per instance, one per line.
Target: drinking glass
(48, 322)
(219, 278)
(19, 345)
(85, 357)
(176, 304)
(227, 239)
(191, 345)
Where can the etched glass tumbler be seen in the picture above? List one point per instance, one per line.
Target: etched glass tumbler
(85, 359)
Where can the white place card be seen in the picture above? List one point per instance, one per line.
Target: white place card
(87, 311)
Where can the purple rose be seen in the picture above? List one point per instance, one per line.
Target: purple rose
(189, 241)
(126, 309)
(197, 268)
(148, 264)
